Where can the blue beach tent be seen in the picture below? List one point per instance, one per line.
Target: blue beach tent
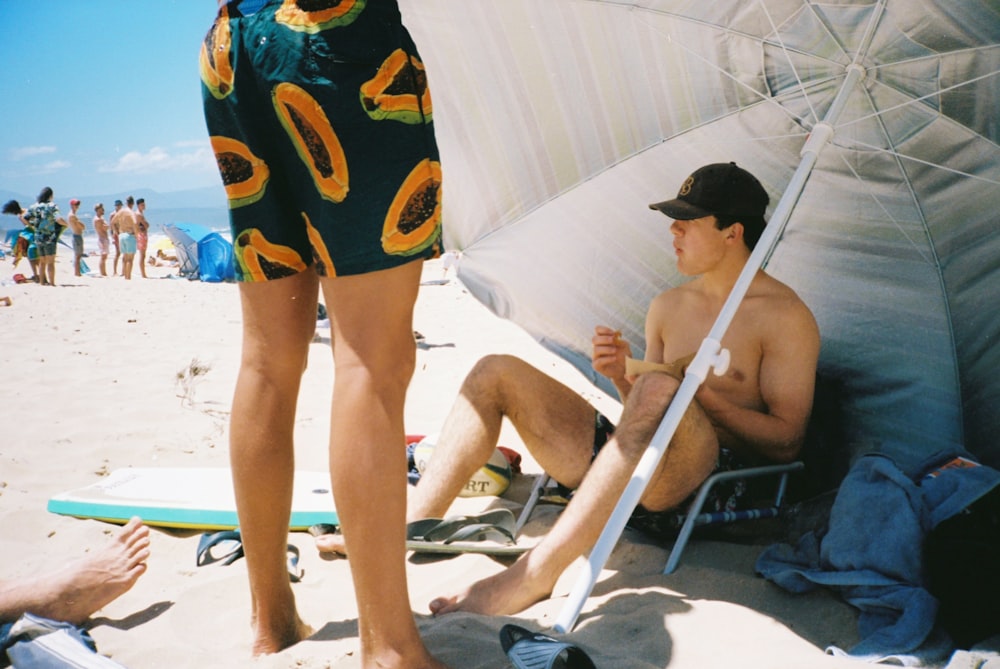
(202, 253)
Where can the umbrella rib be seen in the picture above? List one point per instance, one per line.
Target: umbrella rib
(791, 65)
(774, 100)
(936, 56)
(939, 166)
(921, 98)
(760, 40)
(935, 261)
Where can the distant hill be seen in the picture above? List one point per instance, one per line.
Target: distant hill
(204, 206)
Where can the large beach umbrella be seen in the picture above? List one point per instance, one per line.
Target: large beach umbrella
(559, 121)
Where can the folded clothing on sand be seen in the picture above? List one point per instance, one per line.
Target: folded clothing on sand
(41, 643)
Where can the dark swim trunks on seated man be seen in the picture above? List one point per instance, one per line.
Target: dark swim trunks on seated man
(757, 412)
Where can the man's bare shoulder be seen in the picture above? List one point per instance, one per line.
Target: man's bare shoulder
(676, 295)
(780, 306)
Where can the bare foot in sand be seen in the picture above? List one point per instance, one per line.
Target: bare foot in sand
(331, 543)
(509, 592)
(268, 641)
(84, 586)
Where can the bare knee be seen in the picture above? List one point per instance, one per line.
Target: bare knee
(693, 449)
(492, 378)
(644, 410)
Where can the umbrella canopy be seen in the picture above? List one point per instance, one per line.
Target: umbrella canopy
(560, 121)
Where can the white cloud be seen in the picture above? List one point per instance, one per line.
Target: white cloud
(158, 159)
(22, 152)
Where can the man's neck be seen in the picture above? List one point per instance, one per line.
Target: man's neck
(718, 283)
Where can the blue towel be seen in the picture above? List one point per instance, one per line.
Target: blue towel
(871, 553)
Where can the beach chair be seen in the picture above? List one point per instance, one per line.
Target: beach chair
(694, 516)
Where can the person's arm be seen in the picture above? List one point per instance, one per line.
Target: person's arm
(787, 382)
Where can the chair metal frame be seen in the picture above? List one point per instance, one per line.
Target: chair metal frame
(694, 516)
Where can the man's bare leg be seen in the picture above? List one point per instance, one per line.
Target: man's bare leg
(278, 322)
(555, 423)
(374, 356)
(82, 587)
(533, 576)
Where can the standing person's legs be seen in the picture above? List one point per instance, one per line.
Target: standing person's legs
(48, 273)
(371, 317)
(278, 324)
(77, 255)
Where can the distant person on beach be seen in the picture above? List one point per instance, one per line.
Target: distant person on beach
(77, 227)
(141, 233)
(756, 413)
(44, 217)
(314, 227)
(24, 247)
(124, 219)
(162, 259)
(116, 236)
(101, 227)
(77, 590)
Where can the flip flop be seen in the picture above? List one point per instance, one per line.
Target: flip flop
(294, 573)
(455, 528)
(490, 533)
(530, 650)
(225, 546)
(319, 529)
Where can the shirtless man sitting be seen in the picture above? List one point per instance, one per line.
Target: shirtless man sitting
(757, 412)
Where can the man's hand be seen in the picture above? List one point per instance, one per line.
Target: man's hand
(609, 353)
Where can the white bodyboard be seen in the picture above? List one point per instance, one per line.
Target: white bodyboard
(185, 497)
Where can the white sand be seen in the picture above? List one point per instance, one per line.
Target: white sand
(92, 372)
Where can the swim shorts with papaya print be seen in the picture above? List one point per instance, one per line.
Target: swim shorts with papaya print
(321, 121)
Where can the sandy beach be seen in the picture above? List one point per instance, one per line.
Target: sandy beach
(102, 374)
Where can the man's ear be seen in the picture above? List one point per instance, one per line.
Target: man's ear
(735, 232)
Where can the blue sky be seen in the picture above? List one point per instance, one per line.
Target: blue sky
(103, 96)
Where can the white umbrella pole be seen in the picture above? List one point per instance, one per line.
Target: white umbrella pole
(711, 355)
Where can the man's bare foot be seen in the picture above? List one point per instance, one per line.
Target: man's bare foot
(76, 591)
(390, 659)
(277, 640)
(331, 543)
(506, 593)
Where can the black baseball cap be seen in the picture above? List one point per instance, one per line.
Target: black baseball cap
(719, 188)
